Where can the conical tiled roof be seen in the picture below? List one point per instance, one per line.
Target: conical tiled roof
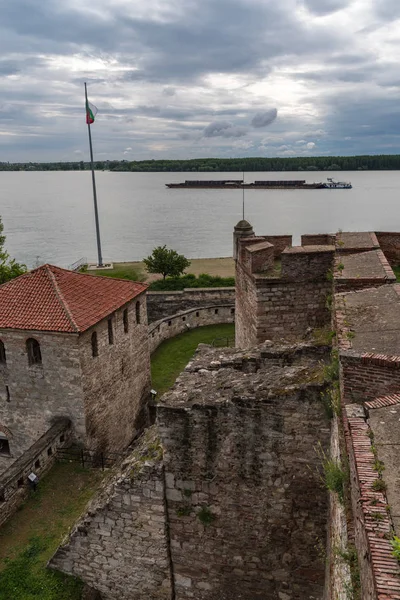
(53, 299)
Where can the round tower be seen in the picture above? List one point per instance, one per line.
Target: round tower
(242, 229)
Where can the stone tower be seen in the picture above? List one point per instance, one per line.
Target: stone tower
(242, 229)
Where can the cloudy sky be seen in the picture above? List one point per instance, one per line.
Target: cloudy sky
(195, 78)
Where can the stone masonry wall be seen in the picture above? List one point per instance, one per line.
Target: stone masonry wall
(39, 394)
(279, 242)
(162, 304)
(271, 305)
(39, 458)
(162, 330)
(390, 246)
(318, 239)
(366, 376)
(307, 263)
(245, 506)
(116, 383)
(267, 309)
(246, 309)
(120, 545)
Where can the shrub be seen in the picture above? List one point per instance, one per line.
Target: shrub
(191, 281)
(395, 542)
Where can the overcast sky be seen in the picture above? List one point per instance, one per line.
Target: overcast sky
(196, 78)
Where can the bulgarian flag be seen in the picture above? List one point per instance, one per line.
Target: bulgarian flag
(91, 112)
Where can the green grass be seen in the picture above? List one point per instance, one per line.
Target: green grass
(172, 356)
(32, 535)
(396, 271)
(120, 271)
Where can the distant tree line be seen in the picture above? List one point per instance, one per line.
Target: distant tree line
(301, 163)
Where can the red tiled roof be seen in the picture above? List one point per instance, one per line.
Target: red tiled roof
(53, 299)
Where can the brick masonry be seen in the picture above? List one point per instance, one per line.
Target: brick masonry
(379, 570)
(390, 245)
(163, 304)
(39, 458)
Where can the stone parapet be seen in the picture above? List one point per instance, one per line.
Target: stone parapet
(259, 257)
(307, 263)
(39, 458)
(390, 245)
(167, 328)
(318, 239)
(161, 305)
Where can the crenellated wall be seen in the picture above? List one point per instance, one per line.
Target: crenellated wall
(162, 304)
(281, 304)
(164, 329)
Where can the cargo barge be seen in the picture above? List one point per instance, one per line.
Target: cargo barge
(290, 184)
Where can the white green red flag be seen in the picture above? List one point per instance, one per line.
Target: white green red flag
(91, 112)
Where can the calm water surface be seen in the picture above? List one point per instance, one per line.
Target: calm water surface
(50, 214)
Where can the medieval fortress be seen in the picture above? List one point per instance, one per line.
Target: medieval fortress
(221, 494)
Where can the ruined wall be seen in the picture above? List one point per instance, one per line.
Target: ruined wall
(162, 330)
(163, 304)
(367, 376)
(116, 383)
(120, 546)
(39, 458)
(38, 394)
(390, 245)
(245, 506)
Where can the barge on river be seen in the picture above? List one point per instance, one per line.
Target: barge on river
(232, 184)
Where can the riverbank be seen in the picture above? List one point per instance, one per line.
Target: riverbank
(222, 267)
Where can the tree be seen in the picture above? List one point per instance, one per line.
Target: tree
(167, 262)
(9, 268)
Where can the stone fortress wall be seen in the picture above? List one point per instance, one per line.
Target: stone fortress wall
(222, 498)
(275, 300)
(116, 383)
(173, 325)
(161, 305)
(38, 459)
(240, 521)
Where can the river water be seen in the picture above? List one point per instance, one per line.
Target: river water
(48, 216)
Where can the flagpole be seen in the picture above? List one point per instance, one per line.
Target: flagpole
(243, 197)
(96, 212)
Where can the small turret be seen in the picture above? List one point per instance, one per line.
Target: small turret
(242, 229)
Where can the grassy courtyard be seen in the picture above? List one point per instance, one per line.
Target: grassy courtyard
(32, 535)
(172, 356)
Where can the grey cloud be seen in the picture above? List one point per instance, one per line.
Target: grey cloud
(169, 91)
(325, 7)
(223, 129)
(265, 118)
